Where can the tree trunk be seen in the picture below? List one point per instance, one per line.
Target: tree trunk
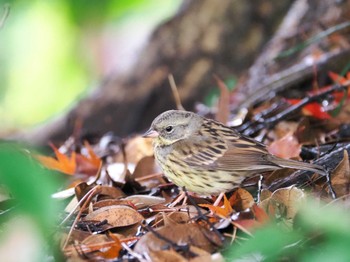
(204, 38)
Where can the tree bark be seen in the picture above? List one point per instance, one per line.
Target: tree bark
(204, 38)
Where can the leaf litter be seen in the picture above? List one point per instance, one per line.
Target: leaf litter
(118, 199)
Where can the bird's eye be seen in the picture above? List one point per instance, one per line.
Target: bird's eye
(169, 129)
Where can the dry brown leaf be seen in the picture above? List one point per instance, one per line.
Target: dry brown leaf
(191, 210)
(284, 202)
(79, 235)
(181, 234)
(223, 112)
(112, 192)
(241, 199)
(179, 217)
(304, 133)
(172, 256)
(286, 147)
(204, 256)
(129, 231)
(142, 201)
(174, 218)
(144, 167)
(283, 128)
(136, 148)
(166, 256)
(147, 173)
(108, 246)
(264, 194)
(277, 175)
(117, 216)
(96, 246)
(112, 202)
(83, 188)
(341, 176)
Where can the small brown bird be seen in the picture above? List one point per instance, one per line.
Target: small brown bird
(207, 157)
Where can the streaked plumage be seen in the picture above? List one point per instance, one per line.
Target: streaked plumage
(208, 157)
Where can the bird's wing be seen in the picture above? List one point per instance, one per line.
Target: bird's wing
(229, 153)
(244, 153)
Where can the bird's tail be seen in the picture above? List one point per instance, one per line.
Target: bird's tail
(287, 163)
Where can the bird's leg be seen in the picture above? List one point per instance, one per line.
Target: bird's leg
(259, 188)
(181, 197)
(218, 199)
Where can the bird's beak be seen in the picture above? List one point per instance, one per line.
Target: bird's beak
(151, 133)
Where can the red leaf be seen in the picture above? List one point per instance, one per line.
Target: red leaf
(260, 214)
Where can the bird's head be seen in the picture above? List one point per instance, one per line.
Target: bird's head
(174, 125)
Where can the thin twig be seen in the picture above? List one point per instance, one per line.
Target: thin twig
(262, 123)
(88, 196)
(313, 39)
(175, 92)
(203, 217)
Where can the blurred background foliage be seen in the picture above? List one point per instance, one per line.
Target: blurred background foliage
(51, 52)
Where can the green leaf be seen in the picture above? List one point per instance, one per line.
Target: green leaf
(29, 184)
(268, 243)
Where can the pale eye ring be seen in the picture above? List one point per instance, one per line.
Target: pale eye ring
(169, 129)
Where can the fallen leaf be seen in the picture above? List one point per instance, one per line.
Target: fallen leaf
(284, 202)
(224, 211)
(286, 147)
(260, 214)
(107, 246)
(341, 176)
(191, 234)
(264, 194)
(246, 225)
(62, 162)
(117, 216)
(241, 199)
(112, 202)
(142, 201)
(313, 109)
(166, 255)
(223, 111)
(136, 148)
(88, 164)
(144, 167)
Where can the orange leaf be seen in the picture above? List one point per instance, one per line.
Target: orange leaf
(63, 163)
(92, 157)
(89, 164)
(338, 78)
(113, 250)
(221, 211)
